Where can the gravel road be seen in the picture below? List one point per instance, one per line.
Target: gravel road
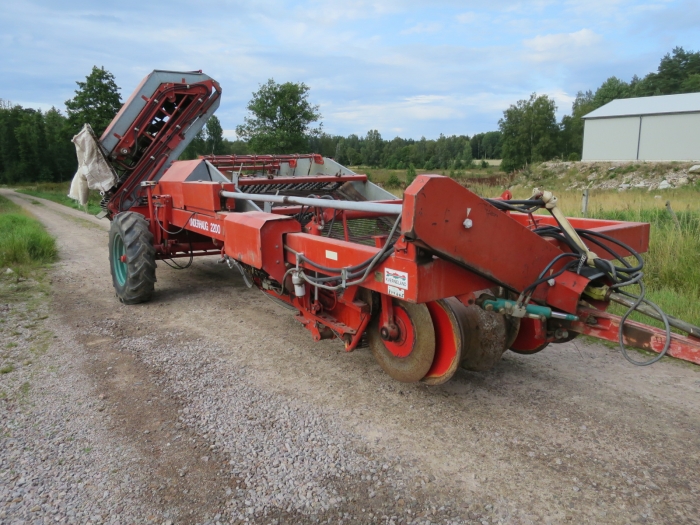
(210, 404)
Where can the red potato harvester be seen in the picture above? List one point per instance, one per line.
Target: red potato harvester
(439, 279)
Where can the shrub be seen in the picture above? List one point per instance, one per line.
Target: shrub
(484, 164)
(393, 181)
(410, 174)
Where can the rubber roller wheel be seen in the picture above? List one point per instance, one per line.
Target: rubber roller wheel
(409, 357)
(132, 258)
(489, 336)
(451, 334)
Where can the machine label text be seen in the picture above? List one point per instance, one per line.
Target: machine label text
(206, 226)
(396, 278)
(396, 292)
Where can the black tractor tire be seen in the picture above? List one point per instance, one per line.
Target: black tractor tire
(129, 237)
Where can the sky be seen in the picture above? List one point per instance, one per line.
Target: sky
(408, 68)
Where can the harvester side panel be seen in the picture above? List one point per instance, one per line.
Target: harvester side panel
(494, 245)
(255, 238)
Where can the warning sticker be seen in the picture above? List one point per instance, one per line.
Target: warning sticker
(396, 278)
(396, 292)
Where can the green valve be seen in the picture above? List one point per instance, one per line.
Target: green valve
(535, 310)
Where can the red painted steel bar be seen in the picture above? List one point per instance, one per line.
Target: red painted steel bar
(606, 326)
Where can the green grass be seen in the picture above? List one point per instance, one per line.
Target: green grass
(23, 241)
(58, 192)
(673, 259)
(672, 264)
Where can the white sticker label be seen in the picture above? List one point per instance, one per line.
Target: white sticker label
(396, 278)
(333, 256)
(396, 292)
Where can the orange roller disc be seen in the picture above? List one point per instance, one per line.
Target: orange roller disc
(450, 336)
(409, 357)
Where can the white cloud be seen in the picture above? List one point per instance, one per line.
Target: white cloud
(452, 114)
(477, 60)
(561, 47)
(422, 28)
(467, 18)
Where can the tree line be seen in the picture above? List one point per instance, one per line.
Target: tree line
(445, 152)
(36, 145)
(281, 120)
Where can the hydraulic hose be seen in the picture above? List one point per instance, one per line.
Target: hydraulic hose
(620, 276)
(350, 275)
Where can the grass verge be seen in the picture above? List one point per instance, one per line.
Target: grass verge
(58, 192)
(24, 244)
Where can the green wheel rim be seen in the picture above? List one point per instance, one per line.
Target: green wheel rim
(118, 251)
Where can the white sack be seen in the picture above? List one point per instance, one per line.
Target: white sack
(93, 171)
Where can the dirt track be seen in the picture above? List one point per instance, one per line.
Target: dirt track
(573, 434)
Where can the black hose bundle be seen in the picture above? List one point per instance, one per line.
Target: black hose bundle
(523, 206)
(350, 275)
(622, 275)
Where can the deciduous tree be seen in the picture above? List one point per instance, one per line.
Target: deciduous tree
(280, 119)
(530, 132)
(215, 136)
(96, 101)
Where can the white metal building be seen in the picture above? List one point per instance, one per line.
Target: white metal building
(647, 128)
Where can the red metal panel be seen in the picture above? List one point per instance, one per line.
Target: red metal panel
(206, 224)
(531, 336)
(427, 281)
(174, 189)
(260, 181)
(566, 291)
(634, 234)
(333, 253)
(171, 183)
(495, 246)
(256, 238)
(441, 279)
(204, 195)
(180, 170)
